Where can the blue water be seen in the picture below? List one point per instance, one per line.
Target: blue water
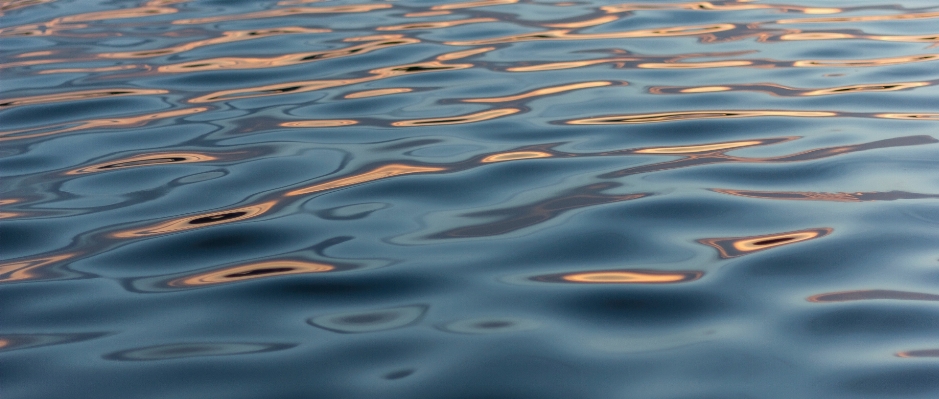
(491, 199)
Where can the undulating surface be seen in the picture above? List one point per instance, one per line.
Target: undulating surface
(488, 199)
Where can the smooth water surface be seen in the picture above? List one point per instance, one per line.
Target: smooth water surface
(486, 199)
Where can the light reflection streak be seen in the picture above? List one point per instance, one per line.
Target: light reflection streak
(313, 85)
(695, 115)
(198, 221)
(784, 91)
(472, 4)
(869, 295)
(320, 123)
(144, 160)
(732, 247)
(31, 269)
(378, 92)
(514, 156)
(541, 92)
(232, 63)
(282, 12)
(627, 276)
(77, 95)
(862, 18)
(455, 120)
(381, 172)
(227, 37)
(831, 197)
(717, 6)
(109, 123)
(436, 24)
(563, 34)
(251, 271)
(876, 62)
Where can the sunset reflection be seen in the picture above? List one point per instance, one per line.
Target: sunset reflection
(198, 221)
(143, 160)
(732, 247)
(629, 276)
(251, 271)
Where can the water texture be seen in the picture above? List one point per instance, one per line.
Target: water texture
(486, 199)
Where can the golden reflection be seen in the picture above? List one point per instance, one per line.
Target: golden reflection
(426, 14)
(693, 65)
(732, 247)
(832, 197)
(473, 4)
(227, 37)
(690, 149)
(865, 18)
(553, 66)
(198, 221)
(920, 353)
(514, 156)
(866, 63)
(320, 123)
(378, 92)
(10, 5)
(784, 91)
(566, 35)
(923, 116)
(229, 63)
(378, 173)
(455, 120)
(540, 92)
(723, 6)
(132, 121)
(88, 70)
(29, 269)
(251, 271)
(584, 24)
(313, 85)
(694, 115)
(463, 54)
(436, 24)
(622, 277)
(143, 160)
(866, 295)
(11, 215)
(282, 12)
(78, 95)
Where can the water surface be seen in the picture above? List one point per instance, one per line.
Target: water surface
(487, 199)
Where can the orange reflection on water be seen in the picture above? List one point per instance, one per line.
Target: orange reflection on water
(229, 63)
(690, 149)
(282, 12)
(784, 91)
(553, 66)
(131, 121)
(866, 63)
(426, 14)
(584, 24)
(694, 65)
(694, 115)
(312, 85)
(631, 276)
(381, 172)
(741, 5)
(320, 123)
(10, 5)
(920, 353)
(473, 4)
(378, 92)
(144, 160)
(865, 18)
(78, 95)
(251, 271)
(732, 247)
(198, 221)
(833, 197)
(463, 54)
(865, 295)
(455, 120)
(514, 156)
(227, 37)
(540, 92)
(566, 35)
(94, 123)
(923, 116)
(88, 70)
(436, 24)
(29, 269)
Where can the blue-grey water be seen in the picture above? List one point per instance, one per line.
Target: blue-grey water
(488, 199)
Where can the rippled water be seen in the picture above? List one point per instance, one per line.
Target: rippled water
(489, 199)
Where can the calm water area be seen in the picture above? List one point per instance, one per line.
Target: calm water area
(493, 199)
